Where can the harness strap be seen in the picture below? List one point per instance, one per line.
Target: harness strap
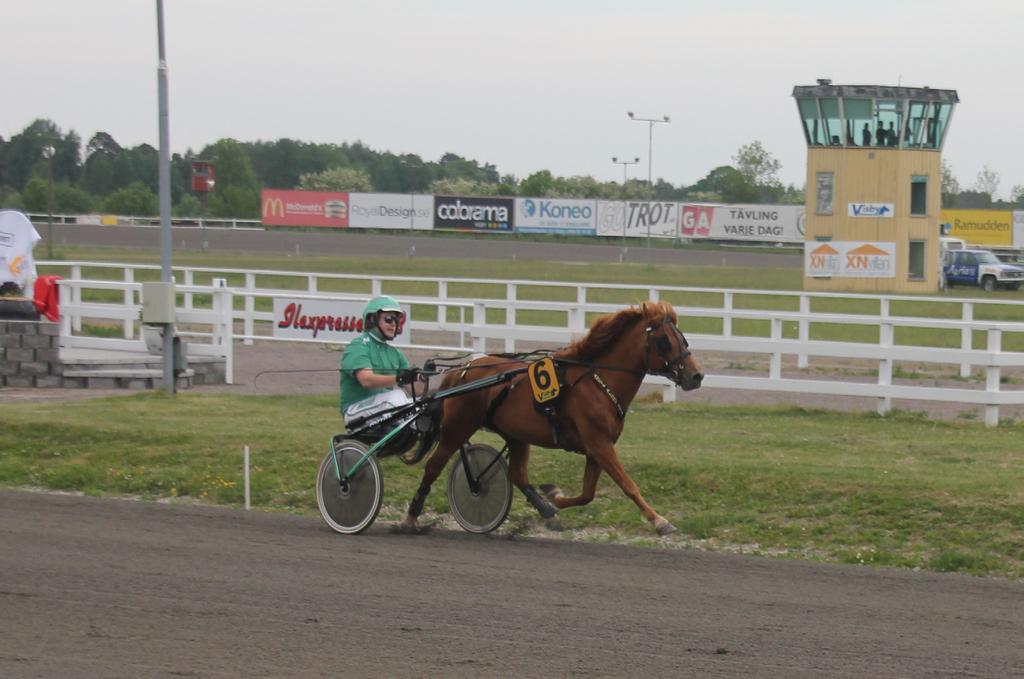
(611, 396)
(492, 407)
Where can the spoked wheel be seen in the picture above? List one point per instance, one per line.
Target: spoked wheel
(352, 506)
(483, 506)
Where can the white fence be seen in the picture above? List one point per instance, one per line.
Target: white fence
(465, 322)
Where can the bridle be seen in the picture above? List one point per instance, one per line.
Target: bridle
(672, 368)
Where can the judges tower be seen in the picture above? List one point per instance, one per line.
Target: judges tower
(874, 178)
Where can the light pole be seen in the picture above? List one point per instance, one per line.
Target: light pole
(624, 164)
(651, 122)
(412, 196)
(48, 154)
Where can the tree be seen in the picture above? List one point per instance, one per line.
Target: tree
(757, 165)
(134, 199)
(950, 186)
(729, 184)
(188, 206)
(537, 185)
(337, 179)
(237, 191)
(1017, 195)
(987, 181)
(462, 187)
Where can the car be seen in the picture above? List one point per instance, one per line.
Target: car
(981, 268)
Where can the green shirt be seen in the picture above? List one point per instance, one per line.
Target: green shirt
(366, 351)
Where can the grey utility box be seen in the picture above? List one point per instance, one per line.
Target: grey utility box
(158, 302)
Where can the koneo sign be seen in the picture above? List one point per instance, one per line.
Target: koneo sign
(474, 213)
(562, 216)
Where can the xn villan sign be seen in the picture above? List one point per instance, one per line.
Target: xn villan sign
(850, 259)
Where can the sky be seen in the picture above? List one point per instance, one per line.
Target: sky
(526, 86)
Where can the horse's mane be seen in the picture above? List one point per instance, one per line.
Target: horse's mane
(609, 329)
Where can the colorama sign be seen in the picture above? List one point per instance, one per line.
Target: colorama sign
(470, 213)
(304, 208)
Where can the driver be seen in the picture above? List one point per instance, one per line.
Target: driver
(372, 369)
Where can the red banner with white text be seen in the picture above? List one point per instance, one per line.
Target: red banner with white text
(304, 208)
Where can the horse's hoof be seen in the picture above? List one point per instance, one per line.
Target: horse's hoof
(665, 528)
(550, 491)
(554, 523)
(405, 528)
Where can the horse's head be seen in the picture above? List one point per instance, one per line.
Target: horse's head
(668, 352)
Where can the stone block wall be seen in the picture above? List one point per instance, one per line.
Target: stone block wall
(30, 354)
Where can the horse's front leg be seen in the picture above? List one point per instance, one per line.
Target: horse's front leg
(433, 468)
(606, 456)
(518, 458)
(591, 473)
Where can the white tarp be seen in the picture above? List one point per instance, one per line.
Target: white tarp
(17, 238)
(637, 219)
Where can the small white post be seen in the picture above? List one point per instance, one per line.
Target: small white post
(245, 455)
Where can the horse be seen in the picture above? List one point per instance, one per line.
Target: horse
(600, 375)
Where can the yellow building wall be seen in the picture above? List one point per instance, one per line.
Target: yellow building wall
(876, 176)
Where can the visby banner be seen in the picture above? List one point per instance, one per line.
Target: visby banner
(473, 213)
(304, 208)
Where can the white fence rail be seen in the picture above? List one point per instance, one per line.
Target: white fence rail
(466, 322)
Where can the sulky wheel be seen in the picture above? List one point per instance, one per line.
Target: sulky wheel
(349, 507)
(482, 506)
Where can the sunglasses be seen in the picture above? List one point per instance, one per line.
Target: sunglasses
(390, 319)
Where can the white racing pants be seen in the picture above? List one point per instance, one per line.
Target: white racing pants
(378, 403)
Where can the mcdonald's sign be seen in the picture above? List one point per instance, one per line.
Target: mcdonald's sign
(304, 208)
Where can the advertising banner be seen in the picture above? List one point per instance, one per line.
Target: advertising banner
(981, 227)
(1018, 228)
(850, 259)
(637, 219)
(324, 320)
(773, 223)
(390, 211)
(304, 208)
(556, 215)
(871, 210)
(473, 213)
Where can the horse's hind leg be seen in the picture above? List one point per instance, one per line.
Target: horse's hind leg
(591, 473)
(609, 460)
(518, 457)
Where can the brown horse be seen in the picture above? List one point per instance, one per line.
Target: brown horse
(600, 375)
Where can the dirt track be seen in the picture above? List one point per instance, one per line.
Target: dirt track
(115, 588)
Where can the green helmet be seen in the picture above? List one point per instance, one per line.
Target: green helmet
(376, 306)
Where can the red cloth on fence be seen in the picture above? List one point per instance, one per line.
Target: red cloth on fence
(47, 298)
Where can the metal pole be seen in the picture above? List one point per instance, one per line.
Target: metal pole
(650, 153)
(49, 203)
(164, 168)
(650, 182)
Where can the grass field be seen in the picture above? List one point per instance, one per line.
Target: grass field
(901, 491)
